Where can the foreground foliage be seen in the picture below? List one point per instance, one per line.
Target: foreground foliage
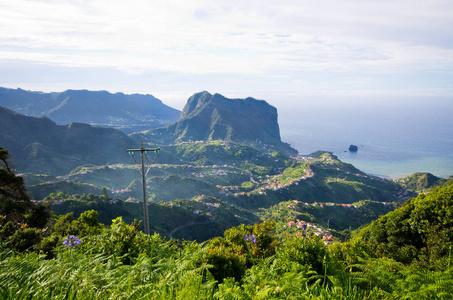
(421, 231)
(124, 263)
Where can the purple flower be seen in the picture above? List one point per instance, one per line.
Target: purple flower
(71, 241)
(249, 238)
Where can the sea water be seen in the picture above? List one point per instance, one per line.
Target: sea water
(396, 136)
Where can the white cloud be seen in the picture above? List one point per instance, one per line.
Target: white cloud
(284, 39)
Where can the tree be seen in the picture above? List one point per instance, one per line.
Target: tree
(105, 193)
(89, 220)
(14, 201)
(11, 186)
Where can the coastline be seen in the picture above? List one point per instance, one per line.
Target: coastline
(379, 161)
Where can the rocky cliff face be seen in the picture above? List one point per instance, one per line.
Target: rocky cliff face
(214, 117)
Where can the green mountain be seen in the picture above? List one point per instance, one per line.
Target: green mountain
(422, 182)
(130, 113)
(39, 145)
(93, 160)
(214, 117)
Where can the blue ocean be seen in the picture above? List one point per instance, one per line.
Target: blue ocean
(396, 137)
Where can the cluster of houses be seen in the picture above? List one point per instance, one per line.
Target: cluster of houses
(126, 190)
(274, 183)
(231, 190)
(402, 195)
(330, 204)
(132, 200)
(309, 228)
(211, 207)
(217, 172)
(188, 142)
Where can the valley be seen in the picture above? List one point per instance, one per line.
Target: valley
(328, 191)
(244, 176)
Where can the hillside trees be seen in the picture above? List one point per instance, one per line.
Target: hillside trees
(15, 205)
(11, 186)
(420, 230)
(17, 212)
(25, 226)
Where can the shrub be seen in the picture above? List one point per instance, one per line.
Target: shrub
(240, 248)
(25, 238)
(305, 251)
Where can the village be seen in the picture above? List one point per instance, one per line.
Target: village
(260, 186)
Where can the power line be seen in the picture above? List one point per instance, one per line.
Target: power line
(142, 171)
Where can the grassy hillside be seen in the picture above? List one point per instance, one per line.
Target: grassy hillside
(38, 145)
(422, 182)
(339, 219)
(322, 179)
(244, 178)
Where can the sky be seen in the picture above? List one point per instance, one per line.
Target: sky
(265, 49)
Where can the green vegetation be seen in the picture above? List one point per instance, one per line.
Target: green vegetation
(422, 182)
(42, 190)
(199, 189)
(198, 219)
(418, 232)
(237, 218)
(247, 185)
(339, 219)
(248, 262)
(219, 152)
(405, 254)
(45, 147)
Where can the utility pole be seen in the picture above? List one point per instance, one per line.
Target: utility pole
(145, 205)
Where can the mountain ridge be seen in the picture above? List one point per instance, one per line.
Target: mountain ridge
(130, 113)
(41, 144)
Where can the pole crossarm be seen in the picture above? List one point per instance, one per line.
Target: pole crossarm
(156, 150)
(143, 151)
